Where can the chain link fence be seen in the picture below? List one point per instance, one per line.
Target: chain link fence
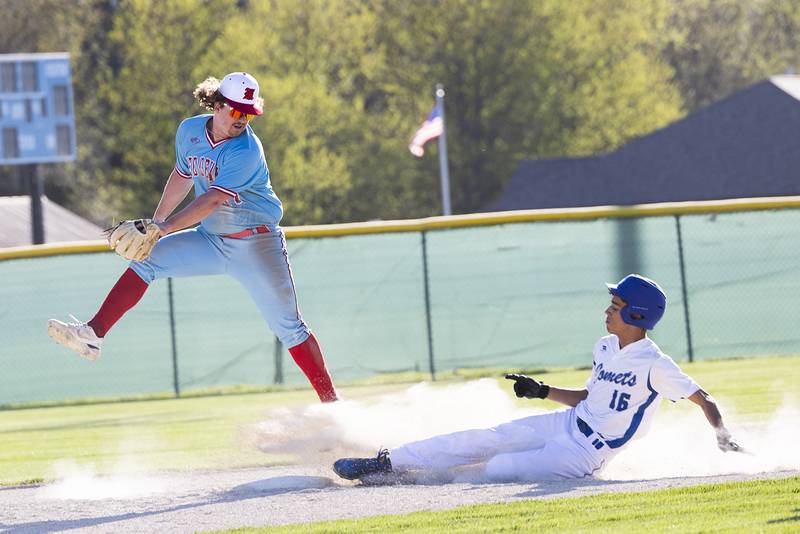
(521, 294)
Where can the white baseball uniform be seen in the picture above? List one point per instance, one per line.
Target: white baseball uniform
(624, 394)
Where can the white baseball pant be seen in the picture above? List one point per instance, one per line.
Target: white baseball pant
(539, 447)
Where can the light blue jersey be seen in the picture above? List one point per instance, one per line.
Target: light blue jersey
(235, 166)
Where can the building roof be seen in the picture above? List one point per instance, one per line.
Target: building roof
(60, 224)
(747, 145)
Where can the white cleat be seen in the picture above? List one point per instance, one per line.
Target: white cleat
(77, 336)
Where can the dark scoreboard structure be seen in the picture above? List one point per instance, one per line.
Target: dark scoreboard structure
(37, 117)
(37, 120)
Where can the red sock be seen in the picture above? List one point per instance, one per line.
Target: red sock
(123, 296)
(308, 356)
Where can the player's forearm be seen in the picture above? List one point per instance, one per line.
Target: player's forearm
(174, 192)
(713, 416)
(709, 406)
(725, 441)
(199, 209)
(570, 397)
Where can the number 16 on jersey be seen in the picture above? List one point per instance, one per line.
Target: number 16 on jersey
(619, 401)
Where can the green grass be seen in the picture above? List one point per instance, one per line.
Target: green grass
(168, 434)
(756, 506)
(202, 432)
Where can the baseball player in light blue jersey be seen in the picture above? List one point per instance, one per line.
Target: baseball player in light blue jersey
(629, 376)
(238, 234)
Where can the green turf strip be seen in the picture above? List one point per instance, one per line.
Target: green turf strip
(203, 432)
(755, 506)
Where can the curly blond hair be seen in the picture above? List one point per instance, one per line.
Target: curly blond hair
(207, 93)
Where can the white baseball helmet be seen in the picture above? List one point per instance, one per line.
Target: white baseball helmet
(241, 91)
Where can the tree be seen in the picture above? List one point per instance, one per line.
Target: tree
(347, 82)
(528, 79)
(718, 47)
(23, 30)
(315, 62)
(135, 87)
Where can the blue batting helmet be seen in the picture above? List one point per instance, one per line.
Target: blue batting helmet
(644, 299)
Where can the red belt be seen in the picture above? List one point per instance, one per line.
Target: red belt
(250, 231)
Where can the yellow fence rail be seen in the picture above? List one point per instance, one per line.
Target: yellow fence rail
(461, 221)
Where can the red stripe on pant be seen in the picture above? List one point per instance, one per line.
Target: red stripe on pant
(308, 357)
(128, 290)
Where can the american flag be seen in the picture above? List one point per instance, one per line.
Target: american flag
(432, 128)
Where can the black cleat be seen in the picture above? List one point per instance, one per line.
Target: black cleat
(357, 468)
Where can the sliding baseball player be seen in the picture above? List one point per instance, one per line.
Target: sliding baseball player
(629, 376)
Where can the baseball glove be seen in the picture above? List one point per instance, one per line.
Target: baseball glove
(133, 240)
(530, 388)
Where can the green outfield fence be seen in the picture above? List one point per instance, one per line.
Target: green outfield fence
(508, 290)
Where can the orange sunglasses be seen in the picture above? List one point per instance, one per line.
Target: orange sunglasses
(236, 114)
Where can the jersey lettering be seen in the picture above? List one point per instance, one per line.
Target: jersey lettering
(202, 167)
(623, 379)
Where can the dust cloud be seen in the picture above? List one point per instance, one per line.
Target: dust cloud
(76, 481)
(679, 444)
(355, 426)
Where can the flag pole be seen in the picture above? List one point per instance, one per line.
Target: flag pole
(444, 171)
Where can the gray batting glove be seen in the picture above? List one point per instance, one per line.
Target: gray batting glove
(530, 388)
(726, 443)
